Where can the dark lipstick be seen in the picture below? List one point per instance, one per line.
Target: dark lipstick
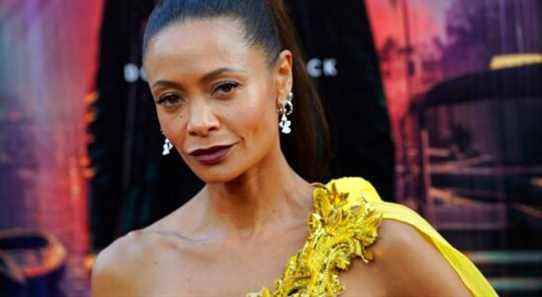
(212, 155)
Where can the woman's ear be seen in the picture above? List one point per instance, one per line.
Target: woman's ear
(283, 75)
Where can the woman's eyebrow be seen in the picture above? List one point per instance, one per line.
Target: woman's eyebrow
(209, 76)
(167, 83)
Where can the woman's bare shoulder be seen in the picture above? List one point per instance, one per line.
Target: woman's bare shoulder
(411, 265)
(118, 266)
(124, 250)
(135, 255)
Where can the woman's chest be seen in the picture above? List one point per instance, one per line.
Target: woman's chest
(206, 271)
(230, 277)
(237, 277)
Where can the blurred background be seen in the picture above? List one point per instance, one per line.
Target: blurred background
(436, 102)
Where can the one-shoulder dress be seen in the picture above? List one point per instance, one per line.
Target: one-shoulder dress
(343, 225)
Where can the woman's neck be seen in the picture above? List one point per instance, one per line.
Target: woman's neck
(269, 195)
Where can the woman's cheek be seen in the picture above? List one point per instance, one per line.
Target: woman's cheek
(255, 117)
(165, 117)
(172, 125)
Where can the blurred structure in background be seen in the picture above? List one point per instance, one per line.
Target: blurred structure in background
(32, 264)
(464, 86)
(47, 62)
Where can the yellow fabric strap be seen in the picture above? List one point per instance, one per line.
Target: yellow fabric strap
(467, 271)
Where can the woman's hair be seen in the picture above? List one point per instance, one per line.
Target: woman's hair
(266, 25)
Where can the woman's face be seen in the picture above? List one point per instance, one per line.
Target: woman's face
(216, 97)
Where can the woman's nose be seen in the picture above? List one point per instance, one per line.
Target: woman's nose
(202, 120)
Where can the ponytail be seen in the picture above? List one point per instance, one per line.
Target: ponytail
(307, 147)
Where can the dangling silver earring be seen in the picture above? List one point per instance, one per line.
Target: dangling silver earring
(285, 110)
(167, 147)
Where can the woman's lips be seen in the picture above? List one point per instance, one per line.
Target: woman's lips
(212, 155)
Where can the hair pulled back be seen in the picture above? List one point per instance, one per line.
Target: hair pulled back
(266, 25)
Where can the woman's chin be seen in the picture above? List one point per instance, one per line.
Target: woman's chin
(217, 174)
(218, 179)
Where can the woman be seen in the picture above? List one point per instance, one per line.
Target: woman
(223, 74)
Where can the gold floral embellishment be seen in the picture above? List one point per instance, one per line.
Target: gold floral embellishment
(338, 233)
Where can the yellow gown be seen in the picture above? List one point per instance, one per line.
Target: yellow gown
(344, 223)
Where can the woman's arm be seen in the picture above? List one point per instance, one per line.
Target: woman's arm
(412, 266)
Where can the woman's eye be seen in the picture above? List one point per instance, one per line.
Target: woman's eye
(169, 100)
(226, 88)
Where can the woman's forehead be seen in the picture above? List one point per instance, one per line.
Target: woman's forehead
(201, 45)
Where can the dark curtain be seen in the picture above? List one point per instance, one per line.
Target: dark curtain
(354, 97)
(135, 185)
